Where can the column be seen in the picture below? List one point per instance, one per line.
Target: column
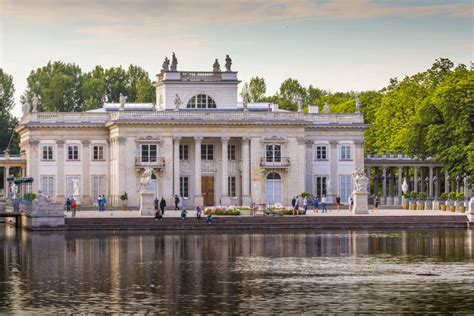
(333, 171)
(6, 173)
(446, 181)
(399, 184)
(309, 170)
(415, 179)
(368, 176)
(437, 182)
(384, 184)
(390, 186)
(246, 198)
(422, 184)
(122, 166)
(198, 198)
(376, 181)
(176, 165)
(32, 159)
(430, 183)
(86, 173)
(60, 178)
(225, 199)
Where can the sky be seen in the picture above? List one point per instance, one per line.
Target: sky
(337, 45)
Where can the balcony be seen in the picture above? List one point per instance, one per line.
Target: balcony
(152, 162)
(283, 163)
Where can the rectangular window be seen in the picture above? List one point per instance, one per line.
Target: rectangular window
(47, 185)
(231, 187)
(321, 153)
(47, 152)
(345, 187)
(183, 152)
(231, 152)
(273, 153)
(346, 152)
(98, 187)
(207, 152)
(148, 153)
(70, 187)
(98, 152)
(73, 152)
(321, 186)
(184, 186)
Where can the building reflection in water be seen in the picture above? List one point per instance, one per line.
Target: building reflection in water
(111, 270)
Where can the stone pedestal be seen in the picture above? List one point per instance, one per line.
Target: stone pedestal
(470, 206)
(435, 205)
(147, 204)
(361, 202)
(43, 216)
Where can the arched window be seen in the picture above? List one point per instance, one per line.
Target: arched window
(201, 101)
(273, 176)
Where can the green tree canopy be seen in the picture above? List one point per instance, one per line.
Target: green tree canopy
(7, 121)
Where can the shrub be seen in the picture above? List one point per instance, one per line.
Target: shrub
(304, 194)
(29, 196)
(413, 194)
(124, 196)
(444, 196)
(452, 195)
(406, 195)
(422, 195)
(290, 212)
(222, 210)
(460, 196)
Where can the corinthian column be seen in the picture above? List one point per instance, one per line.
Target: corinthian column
(198, 199)
(176, 165)
(225, 199)
(246, 198)
(60, 179)
(86, 174)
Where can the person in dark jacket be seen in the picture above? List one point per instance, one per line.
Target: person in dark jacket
(162, 206)
(157, 204)
(293, 202)
(176, 202)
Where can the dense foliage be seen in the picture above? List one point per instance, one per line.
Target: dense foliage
(7, 120)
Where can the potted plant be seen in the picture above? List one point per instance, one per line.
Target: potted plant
(443, 202)
(412, 203)
(405, 199)
(421, 200)
(460, 202)
(124, 201)
(450, 202)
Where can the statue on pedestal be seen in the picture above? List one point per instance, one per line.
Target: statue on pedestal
(228, 63)
(25, 108)
(177, 102)
(122, 100)
(166, 65)
(174, 63)
(360, 179)
(145, 180)
(216, 67)
(299, 101)
(245, 102)
(358, 104)
(35, 101)
(326, 108)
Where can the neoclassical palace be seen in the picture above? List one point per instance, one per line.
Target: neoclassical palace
(202, 144)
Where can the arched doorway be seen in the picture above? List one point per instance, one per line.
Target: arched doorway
(273, 188)
(154, 184)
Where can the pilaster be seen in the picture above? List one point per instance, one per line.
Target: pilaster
(225, 199)
(246, 198)
(86, 174)
(198, 198)
(60, 178)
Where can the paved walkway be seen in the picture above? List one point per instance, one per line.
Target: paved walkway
(192, 213)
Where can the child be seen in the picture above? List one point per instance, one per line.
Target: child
(338, 202)
(209, 219)
(158, 215)
(184, 213)
(198, 212)
(315, 204)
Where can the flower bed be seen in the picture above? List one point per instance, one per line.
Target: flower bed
(285, 210)
(223, 210)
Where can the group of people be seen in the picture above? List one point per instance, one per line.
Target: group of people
(305, 201)
(161, 204)
(71, 206)
(101, 201)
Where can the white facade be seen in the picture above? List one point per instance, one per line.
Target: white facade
(215, 153)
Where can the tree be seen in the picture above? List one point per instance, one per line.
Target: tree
(58, 87)
(7, 121)
(290, 89)
(256, 89)
(116, 82)
(93, 88)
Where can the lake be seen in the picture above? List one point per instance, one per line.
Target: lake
(285, 272)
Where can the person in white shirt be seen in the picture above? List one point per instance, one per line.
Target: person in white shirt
(324, 205)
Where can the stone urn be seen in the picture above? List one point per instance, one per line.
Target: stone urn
(421, 205)
(460, 206)
(428, 205)
(405, 203)
(412, 204)
(452, 206)
(436, 205)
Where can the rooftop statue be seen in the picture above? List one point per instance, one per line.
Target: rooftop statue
(177, 102)
(166, 65)
(216, 67)
(34, 101)
(326, 108)
(360, 179)
(358, 104)
(25, 108)
(245, 102)
(122, 100)
(228, 63)
(299, 101)
(174, 63)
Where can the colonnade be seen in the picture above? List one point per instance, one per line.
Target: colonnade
(8, 163)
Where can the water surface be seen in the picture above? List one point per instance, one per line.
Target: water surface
(277, 272)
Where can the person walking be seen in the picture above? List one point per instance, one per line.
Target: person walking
(198, 212)
(338, 202)
(99, 203)
(305, 204)
(156, 203)
(376, 204)
(297, 203)
(349, 202)
(176, 202)
(68, 205)
(293, 202)
(162, 205)
(315, 204)
(74, 207)
(104, 202)
(324, 201)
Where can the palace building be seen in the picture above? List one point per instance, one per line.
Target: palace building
(202, 144)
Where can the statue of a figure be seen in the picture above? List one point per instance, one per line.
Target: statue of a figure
(360, 179)
(216, 67)
(104, 99)
(245, 102)
(326, 108)
(122, 100)
(177, 102)
(299, 101)
(75, 188)
(14, 190)
(42, 199)
(25, 108)
(145, 180)
(166, 65)
(228, 63)
(174, 63)
(358, 104)
(34, 102)
(405, 186)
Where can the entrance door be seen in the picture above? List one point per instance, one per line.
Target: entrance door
(207, 186)
(273, 188)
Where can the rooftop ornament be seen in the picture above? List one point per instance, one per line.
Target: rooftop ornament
(35, 101)
(177, 102)
(228, 63)
(174, 62)
(245, 102)
(166, 65)
(326, 108)
(216, 67)
(358, 104)
(122, 100)
(299, 101)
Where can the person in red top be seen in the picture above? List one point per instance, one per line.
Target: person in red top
(74, 207)
(338, 202)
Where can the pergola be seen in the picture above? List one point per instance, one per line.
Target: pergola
(8, 162)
